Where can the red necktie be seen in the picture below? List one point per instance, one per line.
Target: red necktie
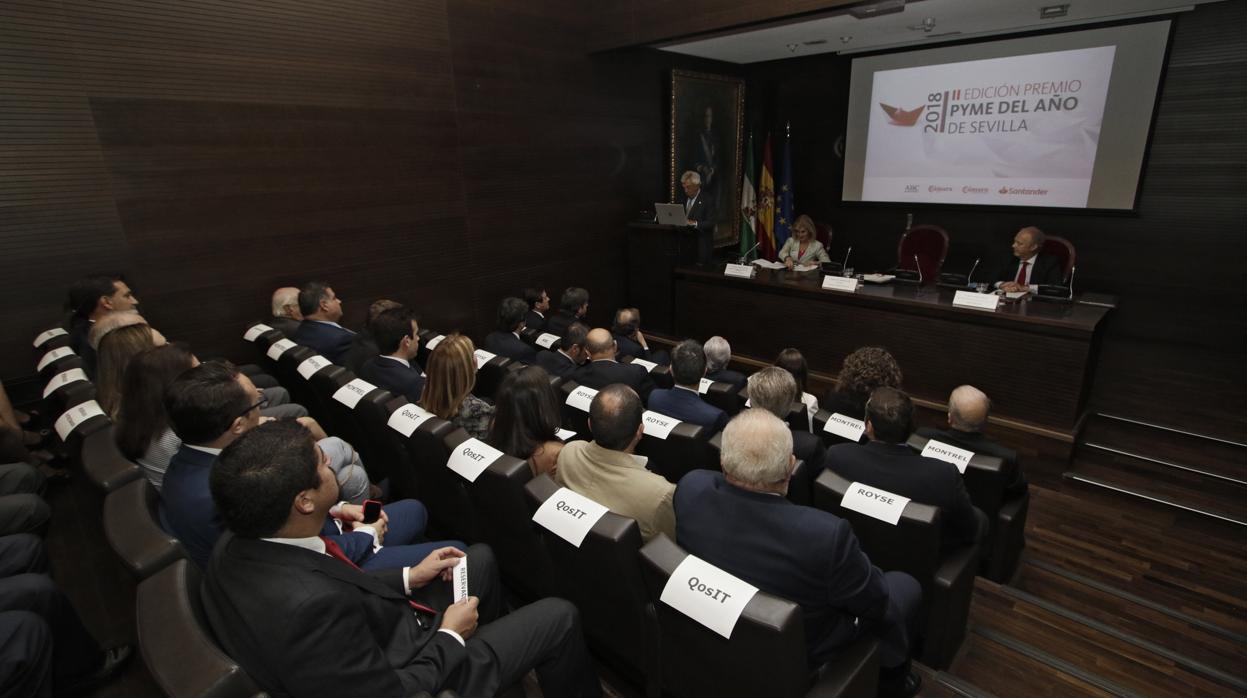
(1021, 273)
(335, 551)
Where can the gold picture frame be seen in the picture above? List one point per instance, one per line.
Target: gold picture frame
(707, 126)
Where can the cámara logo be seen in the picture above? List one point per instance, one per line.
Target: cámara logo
(900, 117)
(1004, 190)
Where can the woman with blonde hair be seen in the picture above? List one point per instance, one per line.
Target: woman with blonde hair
(451, 375)
(802, 247)
(117, 338)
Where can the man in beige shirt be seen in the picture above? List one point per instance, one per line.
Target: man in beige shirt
(606, 471)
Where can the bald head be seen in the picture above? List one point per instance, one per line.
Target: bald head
(600, 344)
(615, 417)
(1028, 242)
(286, 303)
(968, 408)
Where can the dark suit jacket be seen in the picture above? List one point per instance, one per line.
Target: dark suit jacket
(805, 555)
(79, 328)
(508, 345)
(687, 406)
(387, 373)
(899, 470)
(599, 374)
(559, 321)
(325, 339)
(287, 326)
(534, 321)
(363, 348)
(556, 363)
(1015, 479)
(1047, 270)
(304, 624)
(726, 375)
(809, 448)
(701, 212)
(629, 347)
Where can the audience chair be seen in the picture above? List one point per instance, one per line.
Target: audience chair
(798, 417)
(830, 439)
(685, 449)
(498, 498)
(930, 244)
(573, 418)
(262, 343)
(724, 396)
(489, 377)
(176, 642)
(660, 374)
(438, 488)
(913, 546)
(56, 366)
(103, 462)
(382, 449)
(1063, 250)
(422, 356)
(133, 530)
(339, 420)
(603, 579)
(60, 340)
(765, 656)
(286, 371)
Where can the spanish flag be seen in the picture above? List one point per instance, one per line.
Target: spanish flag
(766, 205)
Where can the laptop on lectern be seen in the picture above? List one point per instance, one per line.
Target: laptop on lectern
(670, 214)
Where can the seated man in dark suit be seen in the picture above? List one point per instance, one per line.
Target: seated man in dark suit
(888, 463)
(774, 390)
(285, 309)
(364, 344)
(602, 369)
(740, 520)
(718, 356)
(627, 331)
(209, 407)
(688, 366)
(570, 354)
(304, 621)
(398, 340)
(90, 299)
(320, 331)
(538, 306)
(1027, 270)
(573, 305)
(505, 340)
(968, 408)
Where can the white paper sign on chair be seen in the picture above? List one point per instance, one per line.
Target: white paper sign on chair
(942, 451)
(658, 425)
(545, 340)
(432, 343)
(569, 515)
(647, 365)
(471, 458)
(278, 348)
(47, 335)
(581, 397)
(312, 365)
(255, 331)
(406, 419)
(874, 502)
(351, 393)
(845, 427)
(707, 594)
(483, 357)
(704, 386)
(63, 379)
(54, 355)
(75, 416)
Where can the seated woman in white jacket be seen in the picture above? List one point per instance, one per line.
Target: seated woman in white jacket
(802, 248)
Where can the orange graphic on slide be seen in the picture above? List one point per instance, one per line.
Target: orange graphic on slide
(900, 117)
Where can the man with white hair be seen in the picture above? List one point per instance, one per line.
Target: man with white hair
(285, 308)
(718, 356)
(740, 521)
(774, 390)
(1026, 269)
(699, 214)
(968, 409)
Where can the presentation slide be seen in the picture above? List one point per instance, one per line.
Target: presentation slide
(1011, 127)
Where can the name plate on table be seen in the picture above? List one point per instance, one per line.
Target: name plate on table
(53, 355)
(48, 334)
(658, 425)
(647, 365)
(875, 503)
(483, 357)
(311, 365)
(942, 451)
(432, 343)
(845, 427)
(351, 393)
(470, 458)
(581, 397)
(707, 594)
(979, 301)
(704, 386)
(255, 331)
(278, 348)
(569, 515)
(744, 271)
(75, 416)
(406, 419)
(63, 379)
(847, 284)
(545, 340)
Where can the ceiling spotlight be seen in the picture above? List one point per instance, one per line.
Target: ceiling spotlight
(1053, 11)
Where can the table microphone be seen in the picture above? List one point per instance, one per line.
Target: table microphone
(845, 264)
(971, 274)
(918, 267)
(745, 257)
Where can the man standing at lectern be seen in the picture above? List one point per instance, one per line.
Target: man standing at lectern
(1028, 269)
(699, 214)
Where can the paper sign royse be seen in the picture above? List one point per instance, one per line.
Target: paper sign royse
(311, 365)
(459, 581)
(845, 427)
(48, 334)
(278, 348)
(568, 515)
(707, 594)
(647, 365)
(875, 503)
(75, 416)
(980, 301)
(63, 379)
(658, 425)
(53, 355)
(545, 340)
(581, 397)
(406, 419)
(483, 357)
(432, 343)
(840, 283)
(351, 393)
(744, 271)
(942, 451)
(470, 458)
(255, 331)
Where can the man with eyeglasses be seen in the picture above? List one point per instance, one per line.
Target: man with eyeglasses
(211, 406)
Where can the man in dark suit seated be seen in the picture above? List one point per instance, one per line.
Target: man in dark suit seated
(774, 390)
(320, 331)
(304, 621)
(211, 406)
(968, 408)
(570, 354)
(602, 369)
(888, 463)
(740, 520)
(1027, 270)
(364, 344)
(688, 366)
(505, 340)
(398, 339)
(573, 306)
(718, 356)
(90, 299)
(538, 306)
(627, 331)
(285, 311)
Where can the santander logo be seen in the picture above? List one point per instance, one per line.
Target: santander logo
(900, 117)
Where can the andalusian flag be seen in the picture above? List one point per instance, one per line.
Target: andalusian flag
(748, 205)
(766, 205)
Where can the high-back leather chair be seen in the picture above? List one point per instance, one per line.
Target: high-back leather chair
(766, 655)
(489, 377)
(262, 342)
(824, 234)
(830, 439)
(573, 418)
(603, 579)
(724, 396)
(339, 419)
(798, 416)
(285, 370)
(55, 366)
(133, 531)
(1063, 250)
(104, 463)
(177, 643)
(660, 374)
(384, 455)
(930, 244)
(442, 491)
(426, 451)
(505, 524)
(913, 546)
(685, 449)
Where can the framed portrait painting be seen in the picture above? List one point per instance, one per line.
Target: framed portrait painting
(707, 115)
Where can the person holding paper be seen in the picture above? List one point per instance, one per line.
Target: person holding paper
(684, 401)
(603, 370)
(741, 521)
(303, 620)
(570, 355)
(802, 247)
(1027, 269)
(887, 462)
(505, 340)
(398, 340)
(968, 408)
(320, 331)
